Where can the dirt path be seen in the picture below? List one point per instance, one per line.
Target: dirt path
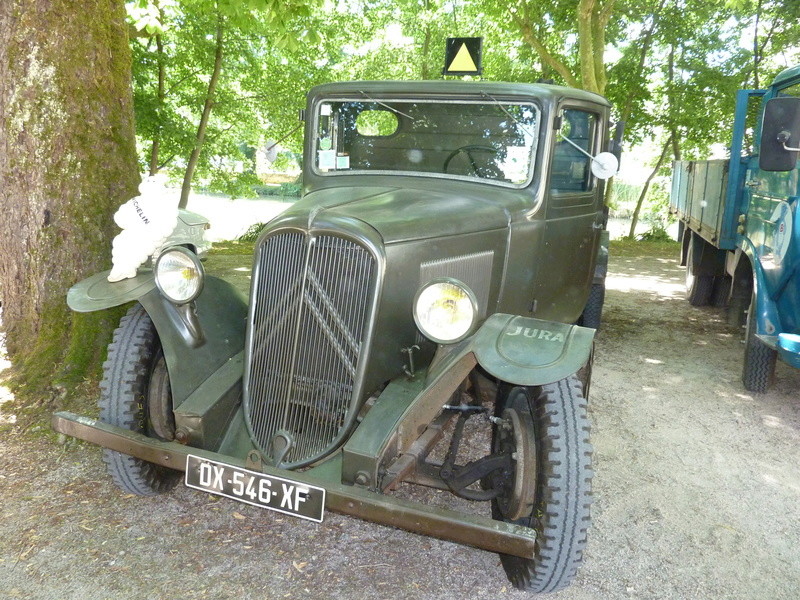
(697, 494)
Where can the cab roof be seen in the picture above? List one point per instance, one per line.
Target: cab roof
(787, 76)
(445, 89)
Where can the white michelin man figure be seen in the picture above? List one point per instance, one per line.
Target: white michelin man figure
(146, 221)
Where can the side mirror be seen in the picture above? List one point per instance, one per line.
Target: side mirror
(604, 165)
(780, 134)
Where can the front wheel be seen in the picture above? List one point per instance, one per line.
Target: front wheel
(758, 369)
(548, 486)
(135, 394)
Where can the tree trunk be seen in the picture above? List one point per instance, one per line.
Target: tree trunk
(591, 18)
(640, 201)
(67, 161)
(207, 107)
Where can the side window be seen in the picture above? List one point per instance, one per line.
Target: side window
(790, 91)
(571, 168)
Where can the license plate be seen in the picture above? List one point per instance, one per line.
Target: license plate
(273, 493)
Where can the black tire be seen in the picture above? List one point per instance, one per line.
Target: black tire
(135, 380)
(562, 498)
(737, 311)
(699, 287)
(593, 311)
(758, 369)
(721, 291)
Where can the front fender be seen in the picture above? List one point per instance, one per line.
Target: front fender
(768, 322)
(221, 314)
(220, 317)
(98, 293)
(527, 351)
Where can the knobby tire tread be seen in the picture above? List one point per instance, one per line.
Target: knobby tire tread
(701, 287)
(122, 395)
(758, 369)
(564, 494)
(593, 311)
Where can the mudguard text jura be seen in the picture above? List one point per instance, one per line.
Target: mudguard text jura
(526, 351)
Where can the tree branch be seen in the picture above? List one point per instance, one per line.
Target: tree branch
(525, 27)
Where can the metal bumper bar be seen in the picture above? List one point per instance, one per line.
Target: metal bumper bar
(472, 530)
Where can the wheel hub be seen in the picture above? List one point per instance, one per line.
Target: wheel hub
(516, 437)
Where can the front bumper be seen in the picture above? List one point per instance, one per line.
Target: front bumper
(472, 530)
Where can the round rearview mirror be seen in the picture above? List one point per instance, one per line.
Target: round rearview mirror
(604, 165)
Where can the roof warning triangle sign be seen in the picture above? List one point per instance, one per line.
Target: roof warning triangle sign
(463, 61)
(463, 56)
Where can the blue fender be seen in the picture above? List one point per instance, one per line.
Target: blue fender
(768, 323)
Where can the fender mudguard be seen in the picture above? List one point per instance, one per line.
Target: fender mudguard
(527, 351)
(98, 293)
(768, 321)
(197, 340)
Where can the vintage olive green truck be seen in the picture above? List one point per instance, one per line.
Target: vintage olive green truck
(443, 273)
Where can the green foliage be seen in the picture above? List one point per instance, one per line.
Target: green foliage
(282, 190)
(252, 233)
(657, 247)
(656, 210)
(623, 198)
(670, 65)
(172, 65)
(233, 248)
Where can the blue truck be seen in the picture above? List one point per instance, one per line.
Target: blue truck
(740, 245)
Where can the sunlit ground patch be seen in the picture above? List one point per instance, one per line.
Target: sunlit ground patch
(661, 286)
(5, 393)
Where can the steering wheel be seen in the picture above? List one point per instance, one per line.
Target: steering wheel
(486, 171)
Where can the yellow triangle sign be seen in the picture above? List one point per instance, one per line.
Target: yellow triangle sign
(463, 61)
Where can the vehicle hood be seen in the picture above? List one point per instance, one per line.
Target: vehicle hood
(405, 214)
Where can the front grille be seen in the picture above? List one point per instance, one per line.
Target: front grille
(309, 316)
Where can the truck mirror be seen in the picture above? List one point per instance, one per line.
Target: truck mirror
(605, 165)
(780, 134)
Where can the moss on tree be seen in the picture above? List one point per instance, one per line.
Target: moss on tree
(67, 160)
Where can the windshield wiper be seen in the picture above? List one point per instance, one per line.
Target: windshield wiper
(497, 103)
(391, 108)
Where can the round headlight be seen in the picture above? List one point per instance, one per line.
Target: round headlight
(445, 310)
(179, 275)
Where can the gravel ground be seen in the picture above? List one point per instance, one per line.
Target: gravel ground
(697, 489)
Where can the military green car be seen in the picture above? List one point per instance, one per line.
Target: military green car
(443, 273)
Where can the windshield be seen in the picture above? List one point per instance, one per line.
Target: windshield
(486, 140)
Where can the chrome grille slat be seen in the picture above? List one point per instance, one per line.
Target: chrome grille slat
(310, 313)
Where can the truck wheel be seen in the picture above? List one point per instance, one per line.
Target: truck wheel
(549, 486)
(135, 394)
(698, 287)
(593, 311)
(759, 359)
